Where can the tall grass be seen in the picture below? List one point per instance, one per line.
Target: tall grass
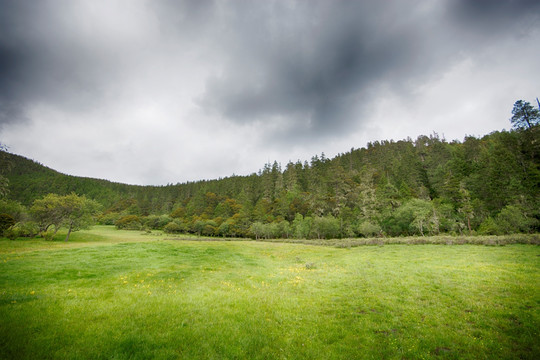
(488, 240)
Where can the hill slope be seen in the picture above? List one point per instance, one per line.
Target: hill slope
(398, 188)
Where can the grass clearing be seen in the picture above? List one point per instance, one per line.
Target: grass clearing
(121, 294)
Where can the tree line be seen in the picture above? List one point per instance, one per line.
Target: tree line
(426, 186)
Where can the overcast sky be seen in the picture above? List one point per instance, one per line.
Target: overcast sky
(164, 91)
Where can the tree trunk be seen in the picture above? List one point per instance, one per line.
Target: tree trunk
(69, 232)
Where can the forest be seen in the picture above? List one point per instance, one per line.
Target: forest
(425, 186)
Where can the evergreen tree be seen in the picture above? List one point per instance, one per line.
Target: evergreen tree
(524, 115)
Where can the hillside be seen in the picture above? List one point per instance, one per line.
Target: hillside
(421, 186)
(29, 180)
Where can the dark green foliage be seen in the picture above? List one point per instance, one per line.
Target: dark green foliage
(420, 187)
(108, 218)
(6, 221)
(326, 227)
(129, 222)
(26, 229)
(14, 209)
(155, 222)
(174, 227)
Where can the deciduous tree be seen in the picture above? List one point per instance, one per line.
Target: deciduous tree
(72, 210)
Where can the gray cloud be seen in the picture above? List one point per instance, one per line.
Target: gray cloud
(314, 62)
(321, 63)
(276, 72)
(500, 16)
(54, 52)
(313, 67)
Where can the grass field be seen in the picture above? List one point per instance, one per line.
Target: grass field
(110, 294)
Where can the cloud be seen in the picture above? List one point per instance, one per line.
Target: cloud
(74, 55)
(206, 88)
(492, 18)
(320, 65)
(311, 63)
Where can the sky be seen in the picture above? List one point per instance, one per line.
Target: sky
(154, 92)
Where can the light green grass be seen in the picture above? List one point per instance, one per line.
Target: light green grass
(112, 294)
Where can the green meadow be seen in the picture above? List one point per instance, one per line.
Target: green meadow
(112, 294)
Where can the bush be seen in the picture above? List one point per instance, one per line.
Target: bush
(174, 227)
(225, 228)
(108, 218)
(6, 221)
(210, 228)
(14, 209)
(368, 229)
(156, 222)
(327, 227)
(47, 235)
(489, 227)
(178, 213)
(22, 229)
(513, 219)
(129, 222)
(11, 234)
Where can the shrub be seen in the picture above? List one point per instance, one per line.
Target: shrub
(47, 235)
(11, 234)
(368, 229)
(327, 227)
(129, 222)
(14, 209)
(6, 221)
(178, 213)
(22, 229)
(174, 227)
(108, 218)
(156, 222)
(210, 228)
(489, 227)
(513, 219)
(225, 228)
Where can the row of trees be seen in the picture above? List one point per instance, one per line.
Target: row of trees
(487, 185)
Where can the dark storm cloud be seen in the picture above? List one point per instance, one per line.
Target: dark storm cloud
(501, 15)
(312, 62)
(49, 54)
(138, 79)
(320, 64)
(314, 65)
